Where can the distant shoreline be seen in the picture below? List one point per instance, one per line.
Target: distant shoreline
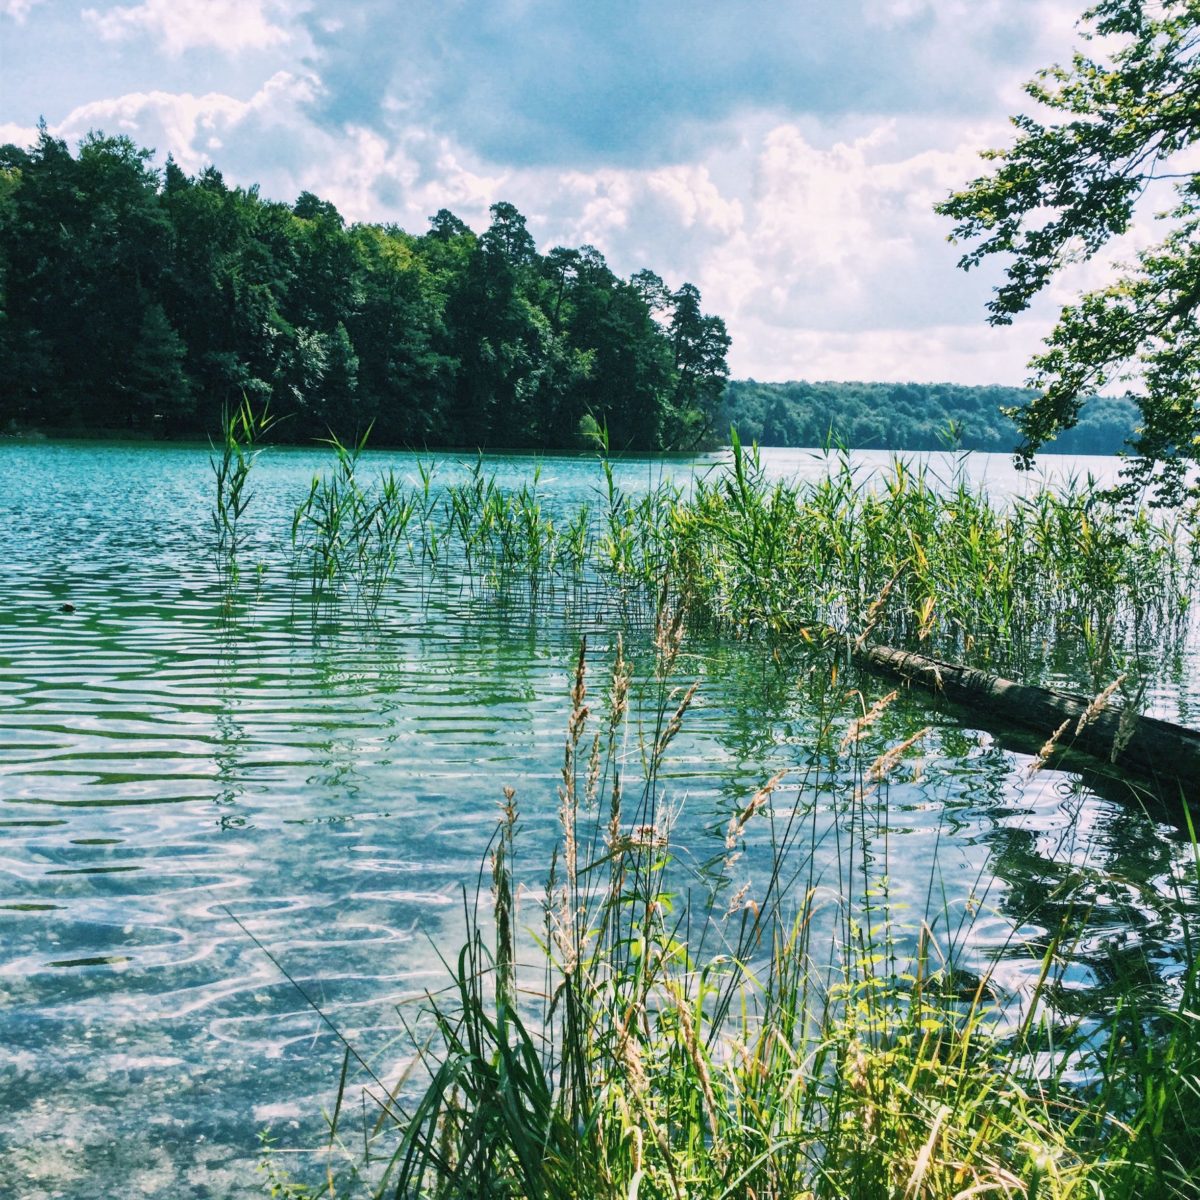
(897, 418)
(134, 437)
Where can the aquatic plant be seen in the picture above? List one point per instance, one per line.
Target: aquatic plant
(471, 515)
(1060, 581)
(241, 431)
(347, 535)
(634, 1029)
(1057, 581)
(923, 561)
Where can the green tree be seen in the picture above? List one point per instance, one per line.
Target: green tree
(910, 416)
(700, 344)
(157, 300)
(630, 384)
(154, 380)
(495, 330)
(403, 379)
(1117, 124)
(85, 244)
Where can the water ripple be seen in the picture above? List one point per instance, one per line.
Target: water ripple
(173, 787)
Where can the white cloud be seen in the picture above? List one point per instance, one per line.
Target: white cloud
(18, 135)
(690, 191)
(842, 271)
(180, 25)
(271, 139)
(825, 260)
(601, 201)
(185, 125)
(823, 256)
(933, 354)
(17, 9)
(165, 120)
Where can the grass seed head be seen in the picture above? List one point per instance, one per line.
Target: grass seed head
(1097, 706)
(890, 759)
(1048, 748)
(860, 725)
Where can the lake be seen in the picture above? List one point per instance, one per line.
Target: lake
(190, 804)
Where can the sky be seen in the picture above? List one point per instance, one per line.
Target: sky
(784, 157)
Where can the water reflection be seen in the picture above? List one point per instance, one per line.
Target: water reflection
(172, 779)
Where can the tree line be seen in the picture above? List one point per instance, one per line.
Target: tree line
(911, 416)
(134, 299)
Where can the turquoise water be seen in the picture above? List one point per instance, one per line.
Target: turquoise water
(177, 795)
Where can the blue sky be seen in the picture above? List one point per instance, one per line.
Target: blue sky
(782, 156)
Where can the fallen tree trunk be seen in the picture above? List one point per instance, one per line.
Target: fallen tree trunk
(1160, 752)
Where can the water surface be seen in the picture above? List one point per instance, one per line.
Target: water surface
(186, 808)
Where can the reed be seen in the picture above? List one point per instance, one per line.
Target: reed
(767, 1033)
(471, 515)
(241, 431)
(1062, 575)
(1061, 580)
(347, 536)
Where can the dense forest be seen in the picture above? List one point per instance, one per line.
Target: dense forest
(139, 300)
(909, 416)
(134, 300)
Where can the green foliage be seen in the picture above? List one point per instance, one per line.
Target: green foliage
(145, 302)
(910, 416)
(241, 431)
(1057, 581)
(1068, 186)
(638, 1031)
(347, 535)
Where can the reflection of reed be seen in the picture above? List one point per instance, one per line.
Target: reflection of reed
(1061, 579)
(660, 1034)
(357, 757)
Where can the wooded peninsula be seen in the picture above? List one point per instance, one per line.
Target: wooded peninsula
(911, 416)
(142, 302)
(136, 300)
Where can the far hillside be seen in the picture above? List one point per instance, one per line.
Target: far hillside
(908, 416)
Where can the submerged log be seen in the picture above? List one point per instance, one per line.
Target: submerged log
(1163, 754)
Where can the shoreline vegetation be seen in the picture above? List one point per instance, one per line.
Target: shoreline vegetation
(153, 300)
(899, 418)
(138, 303)
(629, 1022)
(911, 417)
(1065, 579)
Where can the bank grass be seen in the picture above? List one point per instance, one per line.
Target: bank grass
(1059, 582)
(645, 1025)
(242, 432)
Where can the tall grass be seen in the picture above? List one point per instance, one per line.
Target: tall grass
(1059, 581)
(349, 537)
(241, 431)
(636, 1029)
(935, 563)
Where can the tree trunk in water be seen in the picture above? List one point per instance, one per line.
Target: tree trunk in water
(1165, 754)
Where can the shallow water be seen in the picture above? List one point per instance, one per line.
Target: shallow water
(188, 810)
